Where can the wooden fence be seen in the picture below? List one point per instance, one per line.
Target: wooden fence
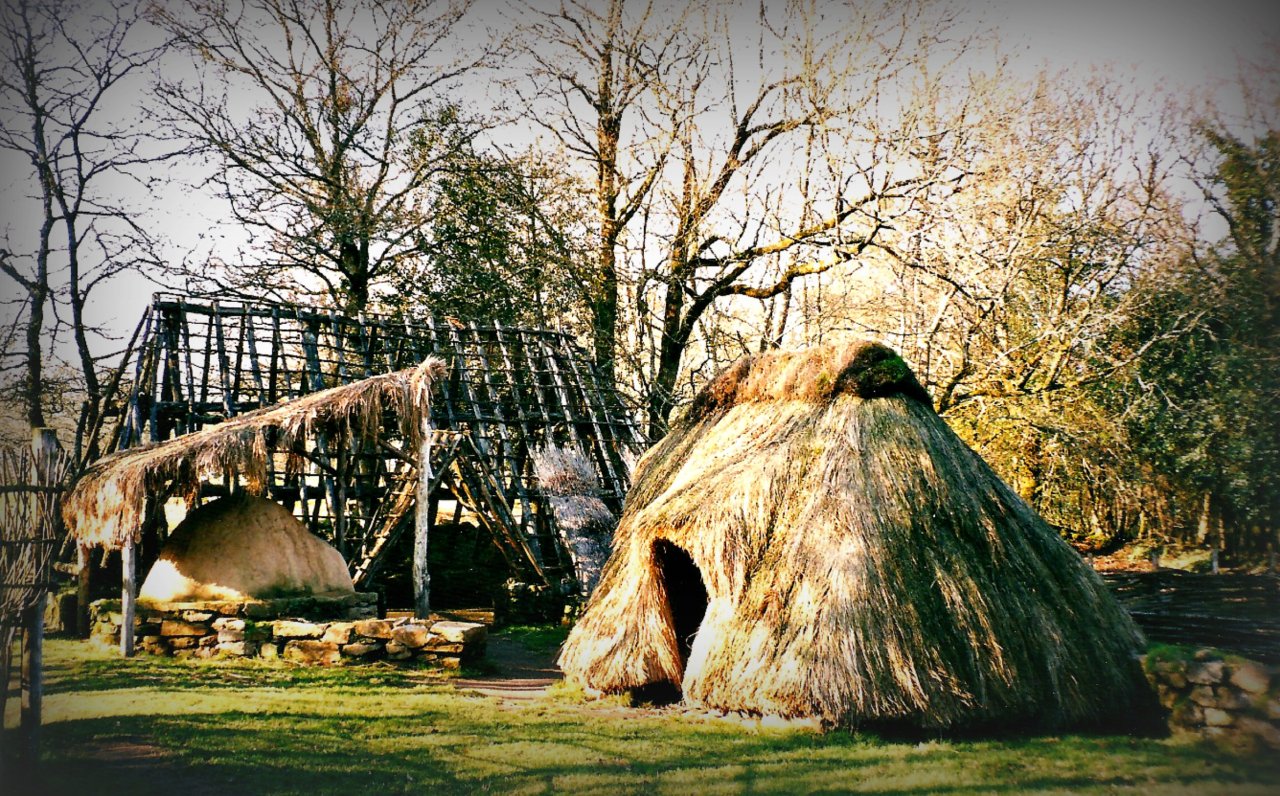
(1236, 613)
(31, 537)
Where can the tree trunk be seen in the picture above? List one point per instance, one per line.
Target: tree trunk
(355, 267)
(604, 308)
(1202, 528)
(670, 352)
(604, 300)
(33, 390)
(92, 387)
(1032, 468)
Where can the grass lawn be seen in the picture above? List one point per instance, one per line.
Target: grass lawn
(152, 725)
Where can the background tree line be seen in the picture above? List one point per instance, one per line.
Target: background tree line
(1083, 275)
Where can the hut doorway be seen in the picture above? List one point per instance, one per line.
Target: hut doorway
(686, 593)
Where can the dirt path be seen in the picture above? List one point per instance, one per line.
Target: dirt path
(518, 672)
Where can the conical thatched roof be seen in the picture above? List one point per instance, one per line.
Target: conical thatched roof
(859, 562)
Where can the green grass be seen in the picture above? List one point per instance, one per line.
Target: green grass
(151, 725)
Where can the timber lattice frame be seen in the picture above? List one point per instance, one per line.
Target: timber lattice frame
(193, 362)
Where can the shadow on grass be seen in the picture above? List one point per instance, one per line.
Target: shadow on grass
(473, 747)
(171, 727)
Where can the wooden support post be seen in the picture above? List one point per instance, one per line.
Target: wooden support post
(1217, 548)
(83, 561)
(421, 525)
(32, 680)
(341, 465)
(44, 447)
(128, 591)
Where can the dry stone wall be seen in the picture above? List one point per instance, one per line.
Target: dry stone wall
(291, 629)
(1223, 697)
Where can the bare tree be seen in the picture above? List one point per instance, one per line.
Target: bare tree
(727, 144)
(326, 121)
(1011, 299)
(64, 67)
(600, 69)
(1008, 292)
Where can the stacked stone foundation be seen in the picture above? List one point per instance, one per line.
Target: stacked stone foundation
(302, 629)
(1223, 697)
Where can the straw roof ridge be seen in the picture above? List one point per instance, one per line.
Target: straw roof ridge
(106, 506)
(816, 375)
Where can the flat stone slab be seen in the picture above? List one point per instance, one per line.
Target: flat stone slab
(375, 628)
(411, 636)
(460, 632)
(312, 653)
(175, 627)
(287, 628)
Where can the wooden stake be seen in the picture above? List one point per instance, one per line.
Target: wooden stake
(82, 591)
(128, 588)
(421, 526)
(32, 679)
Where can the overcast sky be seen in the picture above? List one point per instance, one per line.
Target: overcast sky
(1190, 45)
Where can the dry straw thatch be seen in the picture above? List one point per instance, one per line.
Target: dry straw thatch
(860, 564)
(568, 479)
(107, 504)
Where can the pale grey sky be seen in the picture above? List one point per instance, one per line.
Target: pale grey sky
(1191, 45)
(1194, 43)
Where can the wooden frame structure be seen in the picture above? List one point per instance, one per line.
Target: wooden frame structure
(31, 486)
(506, 391)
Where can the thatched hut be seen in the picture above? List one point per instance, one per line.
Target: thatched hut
(812, 540)
(114, 499)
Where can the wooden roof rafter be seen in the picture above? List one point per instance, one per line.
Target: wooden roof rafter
(194, 363)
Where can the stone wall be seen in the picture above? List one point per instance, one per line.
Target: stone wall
(292, 629)
(1223, 697)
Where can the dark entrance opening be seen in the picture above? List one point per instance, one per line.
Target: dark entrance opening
(686, 593)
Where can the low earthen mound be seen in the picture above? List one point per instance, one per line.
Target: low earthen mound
(243, 547)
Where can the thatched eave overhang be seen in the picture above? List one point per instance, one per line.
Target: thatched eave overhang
(107, 505)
